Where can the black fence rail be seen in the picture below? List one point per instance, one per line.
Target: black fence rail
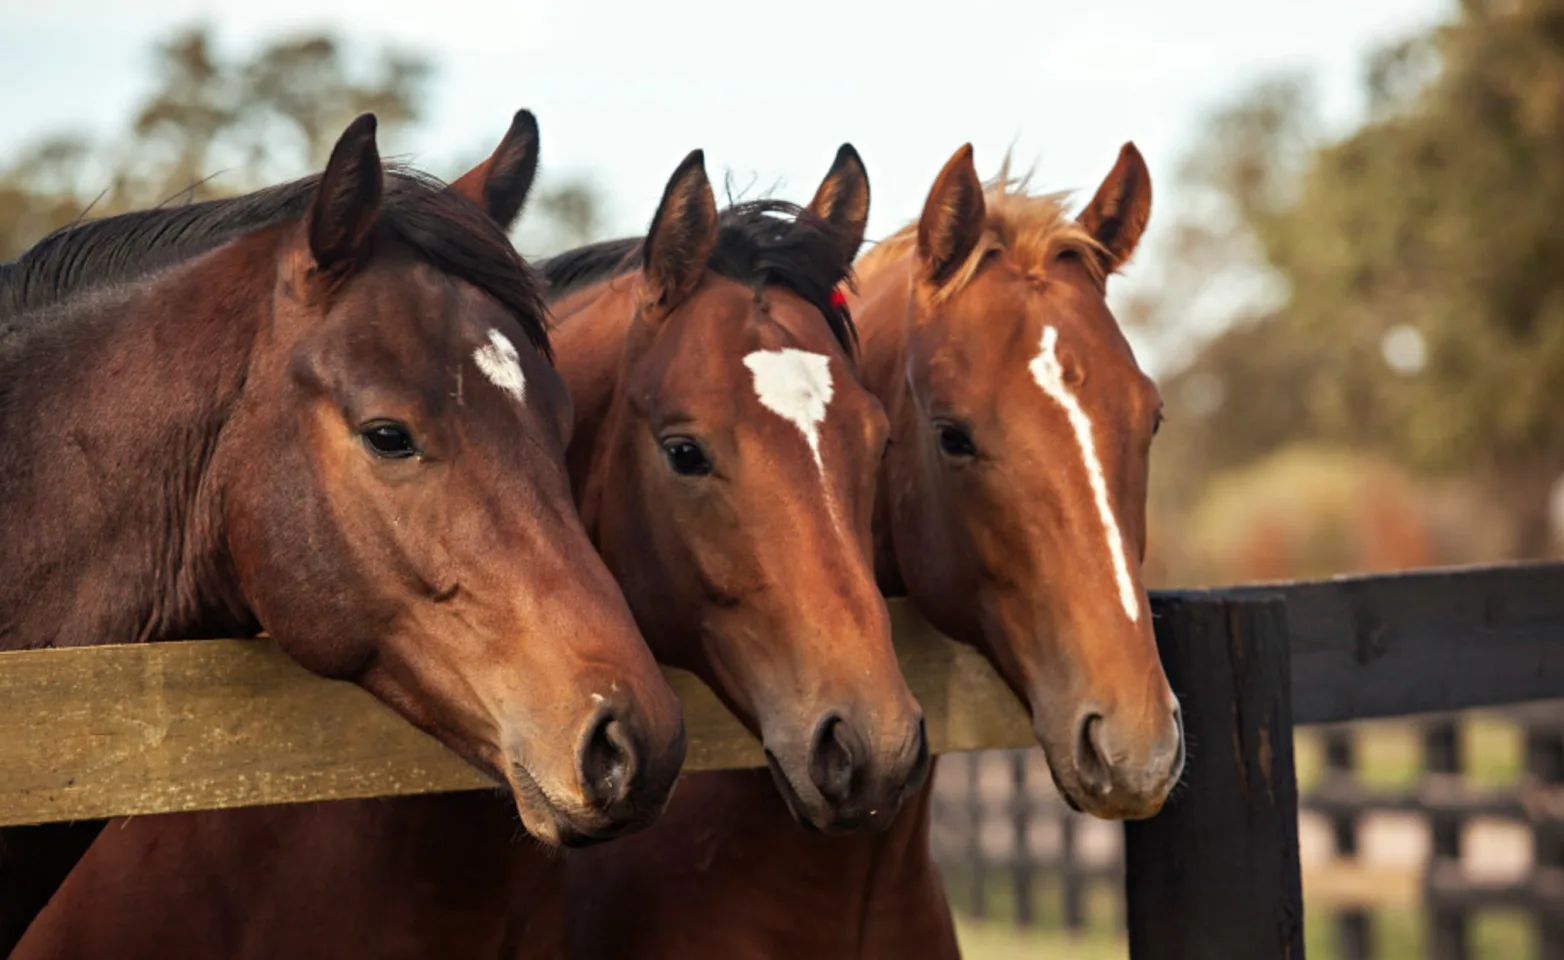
(1446, 799)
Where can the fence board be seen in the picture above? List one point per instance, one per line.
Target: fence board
(210, 724)
(104, 731)
(1422, 642)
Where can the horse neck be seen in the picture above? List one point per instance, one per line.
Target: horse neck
(589, 352)
(883, 316)
(111, 407)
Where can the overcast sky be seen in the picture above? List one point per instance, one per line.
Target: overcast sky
(623, 90)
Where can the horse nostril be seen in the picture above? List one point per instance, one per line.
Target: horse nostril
(607, 762)
(1091, 762)
(831, 759)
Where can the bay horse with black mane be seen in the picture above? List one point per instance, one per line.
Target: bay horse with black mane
(324, 411)
(1011, 511)
(725, 461)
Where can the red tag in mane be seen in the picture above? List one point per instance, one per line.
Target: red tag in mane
(838, 299)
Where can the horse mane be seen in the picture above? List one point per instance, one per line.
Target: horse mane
(759, 243)
(441, 228)
(1033, 228)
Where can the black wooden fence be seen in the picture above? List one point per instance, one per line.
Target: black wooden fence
(1217, 874)
(1013, 852)
(1448, 801)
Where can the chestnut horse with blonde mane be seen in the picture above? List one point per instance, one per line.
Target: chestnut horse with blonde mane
(1012, 512)
(725, 460)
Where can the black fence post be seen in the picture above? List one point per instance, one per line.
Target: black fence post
(1216, 873)
(976, 859)
(1021, 826)
(1353, 936)
(1072, 887)
(1545, 770)
(1448, 936)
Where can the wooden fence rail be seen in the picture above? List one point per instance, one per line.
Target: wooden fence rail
(94, 732)
(102, 731)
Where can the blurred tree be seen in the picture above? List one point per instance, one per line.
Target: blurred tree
(1420, 263)
(1428, 252)
(561, 214)
(216, 125)
(212, 125)
(303, 87)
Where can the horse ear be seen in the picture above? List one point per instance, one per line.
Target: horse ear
(953, 216)
(501, 183)
(1117, 215)
(843, 199)
(347, 200)
(681, 239)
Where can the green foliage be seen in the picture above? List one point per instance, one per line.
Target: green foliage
(1418, 263)
(1443, 216)
(212, 125)
(216, 125)
(560, 215)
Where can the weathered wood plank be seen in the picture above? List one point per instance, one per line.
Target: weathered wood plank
(1216, 873)
(105, 731)
(101, 731)
(1421, 642)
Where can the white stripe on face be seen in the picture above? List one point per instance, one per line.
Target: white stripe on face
(499, 361)
(796, 386)
(1049, 374)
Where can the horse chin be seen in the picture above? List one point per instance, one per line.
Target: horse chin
(813, 813)
(556, 824)
(536, 810)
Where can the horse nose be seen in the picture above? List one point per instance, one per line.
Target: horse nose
(609, 758)
(1091, 761)
(1105, 762)
(836, 752)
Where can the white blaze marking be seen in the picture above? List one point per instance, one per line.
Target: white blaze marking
(796, 386)
(1049, 374)
(499, 361)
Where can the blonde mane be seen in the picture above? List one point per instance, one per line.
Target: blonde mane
(1033, 228)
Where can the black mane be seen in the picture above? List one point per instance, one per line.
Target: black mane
(439, 226)
(759, 242)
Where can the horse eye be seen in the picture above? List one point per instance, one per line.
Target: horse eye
(686, 457)
(1157, 423)
(388, 440)
(955, 441)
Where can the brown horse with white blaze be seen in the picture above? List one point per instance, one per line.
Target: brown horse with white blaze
(1011, 511)
(726, 470)
(1014, 494)
(326, 411)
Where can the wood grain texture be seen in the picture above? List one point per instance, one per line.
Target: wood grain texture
(116, 731)
(1216, 873)
(100, 731)
(1391, 645)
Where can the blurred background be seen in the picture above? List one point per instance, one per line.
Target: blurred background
(1351, 295)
